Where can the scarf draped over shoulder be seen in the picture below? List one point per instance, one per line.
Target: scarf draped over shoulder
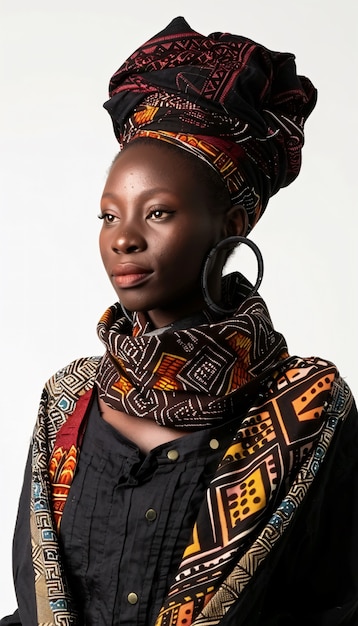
(286, 425)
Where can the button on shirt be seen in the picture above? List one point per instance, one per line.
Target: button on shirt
(128, 519)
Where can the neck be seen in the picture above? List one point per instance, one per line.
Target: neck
(189, 321)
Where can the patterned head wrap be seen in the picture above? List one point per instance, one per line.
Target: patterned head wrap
(226, 99)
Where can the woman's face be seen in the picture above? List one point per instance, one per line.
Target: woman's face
(158, 226)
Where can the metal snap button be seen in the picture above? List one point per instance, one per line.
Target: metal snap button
(151, 515)
(214, 444)
(132, 598)
(173, 455)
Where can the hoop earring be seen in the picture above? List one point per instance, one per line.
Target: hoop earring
(230, 242)
(126, 313)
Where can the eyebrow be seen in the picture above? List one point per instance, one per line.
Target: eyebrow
(108, 195)
(149, 192)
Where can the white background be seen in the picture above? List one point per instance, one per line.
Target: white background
(56, 146)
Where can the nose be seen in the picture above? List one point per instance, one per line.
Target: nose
(128, 239)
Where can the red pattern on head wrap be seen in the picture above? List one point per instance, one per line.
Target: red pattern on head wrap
(224, 87)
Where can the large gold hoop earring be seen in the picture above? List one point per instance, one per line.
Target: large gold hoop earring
(229, 243)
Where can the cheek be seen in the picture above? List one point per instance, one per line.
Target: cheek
(187, 256)
(199, 245)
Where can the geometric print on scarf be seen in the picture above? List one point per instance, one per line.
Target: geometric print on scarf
(263, 459)
(61, 396)
(61, 403)
(187, 377)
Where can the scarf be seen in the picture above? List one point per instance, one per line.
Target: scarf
(283, 425)
(275, 455)
(188, 377)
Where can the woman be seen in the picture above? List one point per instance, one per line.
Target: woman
(196, 473)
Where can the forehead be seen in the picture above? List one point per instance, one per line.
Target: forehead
(155, 161)
(155, 164)
(157, 151)
(148, 168)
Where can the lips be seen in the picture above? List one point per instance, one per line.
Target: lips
(129, 275)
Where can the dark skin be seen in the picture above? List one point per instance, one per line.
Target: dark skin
(159, 224)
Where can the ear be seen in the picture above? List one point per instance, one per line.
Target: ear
(236, 221)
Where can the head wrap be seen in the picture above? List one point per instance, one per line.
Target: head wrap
(226, 99)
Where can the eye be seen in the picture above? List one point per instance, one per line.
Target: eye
(108, 218)
(159, 214)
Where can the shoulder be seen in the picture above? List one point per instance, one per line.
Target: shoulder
(61, 396)
(71, 382)
(77, 372)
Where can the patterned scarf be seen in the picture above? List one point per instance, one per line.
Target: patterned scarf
(256, 491)
(191, 377)
(280, 440)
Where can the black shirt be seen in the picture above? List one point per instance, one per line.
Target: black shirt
(128, 519)
(310, 577)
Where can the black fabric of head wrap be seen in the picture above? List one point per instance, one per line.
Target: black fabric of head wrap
(222, 86)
